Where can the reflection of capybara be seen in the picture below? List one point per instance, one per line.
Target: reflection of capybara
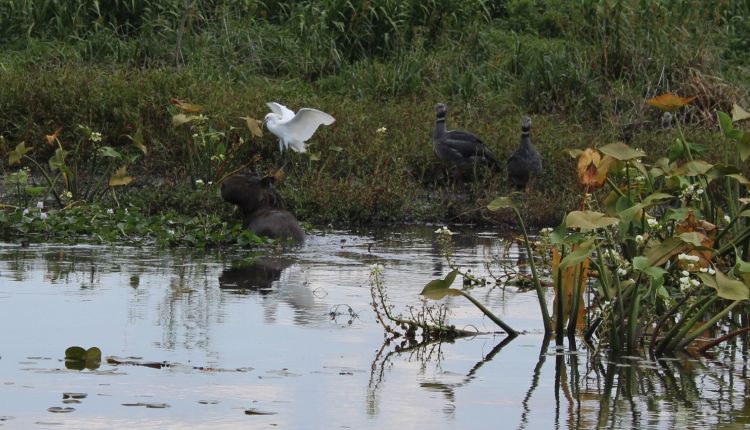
(261, 207)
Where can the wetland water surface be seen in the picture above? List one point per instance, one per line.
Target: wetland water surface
(257, 346)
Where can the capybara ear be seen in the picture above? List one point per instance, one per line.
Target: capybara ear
(268, 181)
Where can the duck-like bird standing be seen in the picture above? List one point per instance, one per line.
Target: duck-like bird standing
(525, 162)
(457, 147)
(293, 130)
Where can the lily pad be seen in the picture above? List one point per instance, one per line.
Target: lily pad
(59, 410)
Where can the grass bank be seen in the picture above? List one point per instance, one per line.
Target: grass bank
(582, 70)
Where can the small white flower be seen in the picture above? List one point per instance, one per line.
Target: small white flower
(199, 182)
(195, 135)
(651, 222)
(711, 271)
(639, 239)
(727, 219)
(26, 211)
(170, 231)
(381, 130)
(687, 257)
(703, 270)
(695, 282)
(685, 280)
(96, 136)
(110, 211)
(622, 272)
(43, 215)
(546, 230)
(377, 267)
(699, 191)
(685, 273)
(40, 205)
(210, 182)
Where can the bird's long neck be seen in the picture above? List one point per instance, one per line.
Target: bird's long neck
(525, 138)
(439, 130)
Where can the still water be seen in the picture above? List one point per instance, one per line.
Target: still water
(274, 345)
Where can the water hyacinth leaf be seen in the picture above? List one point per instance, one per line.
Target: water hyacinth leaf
(589, 220)
(669, 101)
(500, 203)
(738, 113)
(120, 178)
(253, 125)
(621, 151)
(439, 288)
(108, 151)
(579, 255)
(15, 156)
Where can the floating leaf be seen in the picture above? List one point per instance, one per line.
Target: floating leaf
(500, 203)
(621, 151)
(738, 113)
(120, 177)
(59, 410)
(439, 288)
(669, 101)
(185, 106)
(15, 156)
(589, 220)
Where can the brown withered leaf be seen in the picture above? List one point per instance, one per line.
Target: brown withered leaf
(568, 280)
(705, 233)
(185, 106)
(669, 101)
(52, 138)
(592, 168)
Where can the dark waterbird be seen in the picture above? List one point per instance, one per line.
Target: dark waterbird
(524, 163)
(457, 147)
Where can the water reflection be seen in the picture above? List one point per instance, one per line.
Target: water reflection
(208, 310)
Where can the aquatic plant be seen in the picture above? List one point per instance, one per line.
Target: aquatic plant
(665, 248)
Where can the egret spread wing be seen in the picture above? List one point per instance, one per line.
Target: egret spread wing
(303, 125)
(279, 109)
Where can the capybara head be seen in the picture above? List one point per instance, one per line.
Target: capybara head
(251, 193)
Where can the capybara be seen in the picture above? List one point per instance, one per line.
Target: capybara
(261, 207)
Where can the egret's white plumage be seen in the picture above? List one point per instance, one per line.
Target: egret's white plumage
(294, 129)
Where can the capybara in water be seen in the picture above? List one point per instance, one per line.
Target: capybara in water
(261, 207)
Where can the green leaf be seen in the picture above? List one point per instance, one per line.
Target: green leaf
(658, 254)
(621, 151)
(579, 255)
(744, 146)
(694, 168)
(729, 288)
(725, 122)
(439, 288)
(75, 353)
(738, 113)
(108, 151)
(641, 263)
(500, 203)
(589, 220)
(57, 161)
(138, 142)
(120, 177)
(15, 156)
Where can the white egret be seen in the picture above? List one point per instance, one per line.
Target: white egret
(294, 129)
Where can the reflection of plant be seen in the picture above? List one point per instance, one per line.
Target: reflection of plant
(661, 261)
